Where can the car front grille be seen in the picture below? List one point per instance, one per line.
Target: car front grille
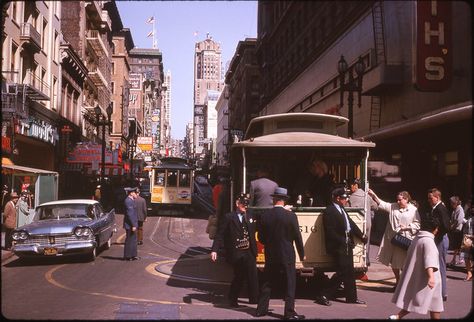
(54, 239)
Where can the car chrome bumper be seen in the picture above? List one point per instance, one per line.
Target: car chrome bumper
(73, 248)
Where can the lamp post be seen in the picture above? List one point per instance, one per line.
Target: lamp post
(352, 85)
(101, 121)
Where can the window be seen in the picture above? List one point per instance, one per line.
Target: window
(14, 11)
(54, 101)
(113, 68)
(13, 57)
(112, 87)
(56, 46)
(44, 44)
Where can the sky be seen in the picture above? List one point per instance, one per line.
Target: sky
(176, 24)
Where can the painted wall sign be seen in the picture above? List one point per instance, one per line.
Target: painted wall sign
(433, 67)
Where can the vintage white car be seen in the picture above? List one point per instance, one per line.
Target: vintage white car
(66, 227)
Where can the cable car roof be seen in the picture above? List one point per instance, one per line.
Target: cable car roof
(302, 139)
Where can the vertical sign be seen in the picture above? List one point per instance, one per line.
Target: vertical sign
(433, 67)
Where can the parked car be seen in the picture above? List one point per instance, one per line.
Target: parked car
(66, 227)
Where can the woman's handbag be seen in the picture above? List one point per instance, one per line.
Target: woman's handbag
(466, 241)
(401, 241)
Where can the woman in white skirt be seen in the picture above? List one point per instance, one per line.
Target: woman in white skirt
(403, 219)
(419, 289)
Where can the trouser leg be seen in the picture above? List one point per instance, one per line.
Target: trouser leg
(290, 276)
(442, 250)
(140, 231)
(252, 278)
(265, 290)
(239, 275)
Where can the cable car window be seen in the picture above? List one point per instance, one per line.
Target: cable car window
(184, 178)
(172, 179)
(159, 178)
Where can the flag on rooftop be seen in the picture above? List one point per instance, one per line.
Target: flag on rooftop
(151, 33)
(151, 20)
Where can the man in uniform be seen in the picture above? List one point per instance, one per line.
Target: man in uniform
(339, 231)
(278, 229)
(130, 223)
(237, 234)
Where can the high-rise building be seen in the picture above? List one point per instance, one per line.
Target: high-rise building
(207, 76)
(166, 107)
(146, 79)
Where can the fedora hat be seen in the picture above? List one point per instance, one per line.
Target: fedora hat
(14, 195)
(280, 193)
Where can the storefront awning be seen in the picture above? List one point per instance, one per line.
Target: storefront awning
(450, 114)
(7, 168)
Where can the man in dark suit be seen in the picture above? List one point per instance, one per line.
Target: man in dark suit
(278, 229)
(438, 210)
(236, 233)
(339, 233)
(130, 223)
(141, 207)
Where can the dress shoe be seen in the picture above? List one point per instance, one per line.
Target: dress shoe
(294, 317)
(322, 300)
(233, 304)
(260, 314)
(445, 298)
(356, 301)
(140, 243)
(135, 258)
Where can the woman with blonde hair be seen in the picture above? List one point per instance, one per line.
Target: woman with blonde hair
(403, 219)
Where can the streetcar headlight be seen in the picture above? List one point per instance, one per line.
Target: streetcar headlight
(82, 231)
(20, 235)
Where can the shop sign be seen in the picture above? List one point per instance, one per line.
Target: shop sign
(88, 153)
(38, 129)
(145, 143)
(433, 67)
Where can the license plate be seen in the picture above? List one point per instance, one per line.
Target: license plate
(50, 251)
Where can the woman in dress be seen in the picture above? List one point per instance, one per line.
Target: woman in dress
(419, 289)
(403, 219)
(457, 220)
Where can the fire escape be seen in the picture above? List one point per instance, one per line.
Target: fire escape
(380, 56)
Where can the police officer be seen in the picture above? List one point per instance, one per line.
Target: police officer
(236, 234)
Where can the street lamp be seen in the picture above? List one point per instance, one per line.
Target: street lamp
(353, 85)
(101, 121)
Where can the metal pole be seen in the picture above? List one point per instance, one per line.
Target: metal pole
(350, 103)
(102, 169)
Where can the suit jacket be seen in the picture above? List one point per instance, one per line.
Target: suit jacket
(141, 208)
(278, 228)
(260, 191)
(442, 213)
(130, 218)
(230, 229)
(335, 231)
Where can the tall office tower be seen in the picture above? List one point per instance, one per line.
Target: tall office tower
(207, 76)
(166, 107)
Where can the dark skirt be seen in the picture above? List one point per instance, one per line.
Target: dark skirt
(455, 239)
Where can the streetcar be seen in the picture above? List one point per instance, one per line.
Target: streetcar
(286, 144)
(171, 184)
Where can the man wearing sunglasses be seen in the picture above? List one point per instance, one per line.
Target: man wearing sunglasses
(236, 234)
(339, 233)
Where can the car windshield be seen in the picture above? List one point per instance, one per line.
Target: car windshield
(64, 211)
